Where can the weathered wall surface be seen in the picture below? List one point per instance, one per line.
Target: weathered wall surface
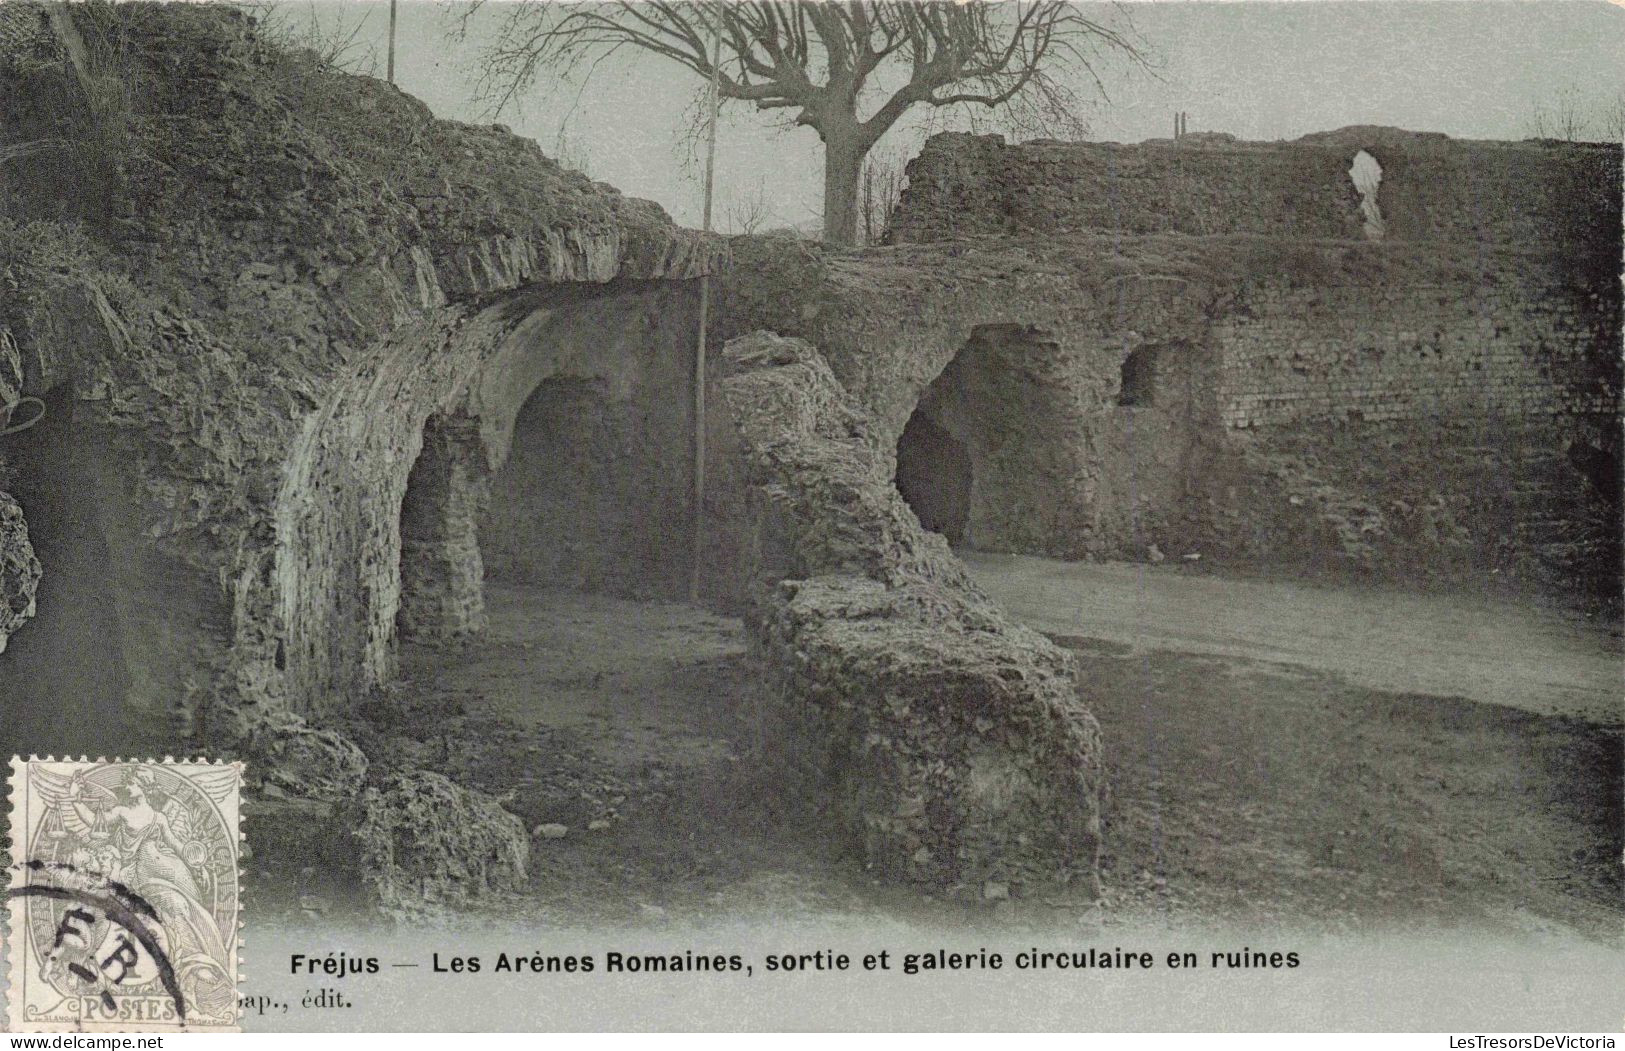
(951, 739)
(1433, 188)
(1157, 442)
(442, 570)
(1491, 295)
(19, 569)
(1520, 317)
(996, 330)
(1010, 399)
(1511, 344)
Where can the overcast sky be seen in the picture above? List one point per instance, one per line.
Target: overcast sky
(1257, 70)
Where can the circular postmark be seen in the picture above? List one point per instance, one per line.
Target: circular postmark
(105, 945)
(131, 894)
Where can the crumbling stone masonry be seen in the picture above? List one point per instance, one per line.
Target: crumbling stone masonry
(1431, 188)
(442, 576)
(19, 569)
(1486, 307)
(426, 842)
(951, 739)
(1517, 344)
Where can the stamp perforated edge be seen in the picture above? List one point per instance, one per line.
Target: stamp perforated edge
(12, 954)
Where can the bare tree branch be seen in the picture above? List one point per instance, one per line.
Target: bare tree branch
(818, 58)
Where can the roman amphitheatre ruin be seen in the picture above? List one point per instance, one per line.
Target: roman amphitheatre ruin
(366, 457)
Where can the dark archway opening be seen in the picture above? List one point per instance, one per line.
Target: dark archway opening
(995, 456)
(1138, 383)
(442, 573)
(593, 496)
(934, 475)
(63, 677)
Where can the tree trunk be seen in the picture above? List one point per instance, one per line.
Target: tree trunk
(843, 160)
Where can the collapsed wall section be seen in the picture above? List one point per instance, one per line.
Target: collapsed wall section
(950, 740)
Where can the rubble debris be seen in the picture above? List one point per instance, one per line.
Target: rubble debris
(425, 840)
(20, 570)
(951, 739)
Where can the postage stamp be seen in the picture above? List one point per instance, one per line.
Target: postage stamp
(123, 895)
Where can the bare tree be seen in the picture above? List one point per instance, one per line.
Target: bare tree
(334, 42)
(880, 190)
(750, 212)
(1568, 117)
(848, 70)
(1611, 121)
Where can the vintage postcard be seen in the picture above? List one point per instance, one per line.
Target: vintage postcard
(868, 515)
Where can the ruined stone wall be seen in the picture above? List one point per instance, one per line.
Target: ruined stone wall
(1270, 327)
(1483, 303)
(258, 235)
(1156, 442)
(998, 336)
(1432, 188)
(951, 740)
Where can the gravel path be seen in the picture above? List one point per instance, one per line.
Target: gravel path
(1442, 646)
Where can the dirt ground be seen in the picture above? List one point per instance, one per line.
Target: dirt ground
(1450, 644)
(1258, 791)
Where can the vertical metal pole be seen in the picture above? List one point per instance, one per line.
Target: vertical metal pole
(391, 41)
(705, 318)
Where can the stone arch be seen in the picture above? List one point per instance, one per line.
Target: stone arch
(1002, 428)
(442, 589)
(588, 414)
(404, 455)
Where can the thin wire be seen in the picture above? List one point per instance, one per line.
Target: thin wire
(705, 314)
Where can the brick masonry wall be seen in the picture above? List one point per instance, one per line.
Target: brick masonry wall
(1520, 316)
(1379, 353)
(1433, 188)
